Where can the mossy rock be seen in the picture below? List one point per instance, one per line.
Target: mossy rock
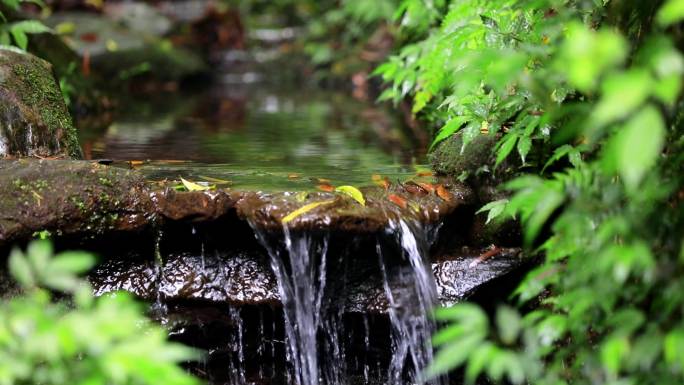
(68, 197)
(34, 118)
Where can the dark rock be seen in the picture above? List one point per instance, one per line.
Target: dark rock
(245, 278)
(35, 120)
(69, 197)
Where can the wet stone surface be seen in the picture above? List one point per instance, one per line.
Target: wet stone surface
(246, 278)
(235, 279)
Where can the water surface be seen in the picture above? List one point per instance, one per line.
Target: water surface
(258, 137)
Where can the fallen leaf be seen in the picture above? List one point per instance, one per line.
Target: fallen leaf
(429, 187)
(380, 181)
(215, 180)
(397, 200)
(135, 163)
(443, 193)
(326, 187)
(303, 210)
(294, 175)
(323, 181)
(414, 188)
(493, 250)
(425, 173)
(352, 192)
(192, 186)
(89, 37)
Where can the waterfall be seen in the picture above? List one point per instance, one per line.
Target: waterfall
(313, 321)
(411, 294)
(299, 264)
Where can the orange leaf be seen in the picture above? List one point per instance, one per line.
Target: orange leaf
(429, 187)
(443, 193)
(326, 187)
(425, 173)
(397, 200)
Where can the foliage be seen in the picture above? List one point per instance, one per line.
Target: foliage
(587, 95)
(85, 340)
(16, 32)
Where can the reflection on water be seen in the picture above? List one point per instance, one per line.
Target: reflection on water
(258, 138)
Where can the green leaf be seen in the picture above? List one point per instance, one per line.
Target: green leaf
(635, 149)
(73, 262)
(670, 13)
(20, 269)
(622, 93)
(450, 128)
(507, 146)
(39, 253)
(494, 208)
(508, 323)
(20, 38)
(613, 352)
(454, 354)
(352, 192)
(524, 146)
(30, 26)
(477, 361)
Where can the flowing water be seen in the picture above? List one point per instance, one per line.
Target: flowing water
(315, 333)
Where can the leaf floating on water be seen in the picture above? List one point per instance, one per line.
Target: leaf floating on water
(397, 200)
(303, 210)
(323, 181)
(136, 163)
(293, 175)
(443, 193)
(352, 192)
(425, 173)
(192, 186)
(215, 180)
(326, 187)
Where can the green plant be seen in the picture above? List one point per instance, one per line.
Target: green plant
(17, 31)
(588, 94)
(82, 339)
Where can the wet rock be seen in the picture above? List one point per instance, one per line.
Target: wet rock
(341, 213)
(245, 278)
(35, 120)
(83, 199)
(69, 197)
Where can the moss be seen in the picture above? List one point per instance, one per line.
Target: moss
(32, 82)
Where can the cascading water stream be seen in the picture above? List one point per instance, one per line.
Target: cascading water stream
(299, 264)
(411, 295)
(314, 326)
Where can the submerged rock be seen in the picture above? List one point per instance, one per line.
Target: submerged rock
(34, 120)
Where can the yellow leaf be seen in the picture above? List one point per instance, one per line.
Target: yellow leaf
(112, 46)
(352, 192)
(303, 210)
(192, 186)
(65, 28)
